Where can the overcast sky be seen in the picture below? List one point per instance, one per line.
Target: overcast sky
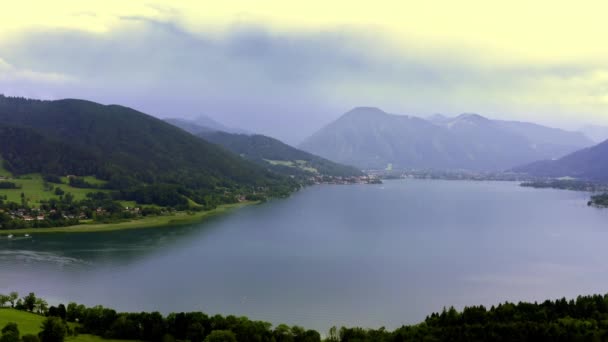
(285, 68)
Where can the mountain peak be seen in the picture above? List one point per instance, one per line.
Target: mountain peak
(369, 138)
(365, 111)
(472, 117)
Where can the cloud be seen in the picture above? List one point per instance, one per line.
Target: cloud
(9, 73)
(287, 84)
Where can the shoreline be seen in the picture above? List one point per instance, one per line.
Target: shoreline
(180, 218)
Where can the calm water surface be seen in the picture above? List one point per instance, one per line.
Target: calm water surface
(368, 255)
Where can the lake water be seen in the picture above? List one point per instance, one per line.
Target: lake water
(366, 255)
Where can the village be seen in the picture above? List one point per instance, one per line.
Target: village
(345, 180)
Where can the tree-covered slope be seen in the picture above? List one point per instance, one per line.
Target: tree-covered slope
(118, 144)
(278, 156)
(26, 151)
(589, 163)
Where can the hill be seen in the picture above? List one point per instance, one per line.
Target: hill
(30, 323)
(368, 137)
(596, 133)
(201, 124)
(588, 164)
(189, 126)
(278, 156)
(124, 147)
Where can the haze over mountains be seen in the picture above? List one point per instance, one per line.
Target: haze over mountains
(596, 133)
(370, 138)
(588, 164)
(267, 152)
(129, 148)
(203, 123)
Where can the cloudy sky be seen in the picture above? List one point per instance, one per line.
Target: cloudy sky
(285, 68)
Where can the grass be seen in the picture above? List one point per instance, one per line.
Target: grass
(179, 218)
(30, 323)
(299, 164)
(32, 186)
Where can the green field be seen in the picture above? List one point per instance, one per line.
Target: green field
(32, 186)
(179, 218)
(30, 323)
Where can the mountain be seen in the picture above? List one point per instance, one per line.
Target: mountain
(127, 148)
(368, 137)
(202, 124)
(553, 141)
(190, 126)
(596, 133)
(278, 156)
(588, 164)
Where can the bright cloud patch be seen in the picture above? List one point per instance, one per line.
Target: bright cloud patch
(9, 73)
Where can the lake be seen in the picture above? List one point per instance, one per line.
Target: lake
(366, 255)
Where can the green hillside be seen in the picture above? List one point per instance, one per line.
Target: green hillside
(128, 149)
(278, 156)
(30, 323)
(35, 191)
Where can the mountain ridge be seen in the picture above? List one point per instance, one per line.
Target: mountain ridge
(370, 138)
(277, 156)
(589, 164)
(127, 148)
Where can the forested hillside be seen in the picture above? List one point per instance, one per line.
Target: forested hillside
(124, 147)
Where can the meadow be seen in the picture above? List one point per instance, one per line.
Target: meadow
(35, 189)
(29, 323)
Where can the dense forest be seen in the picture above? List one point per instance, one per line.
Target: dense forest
(138, 154)
(582, 319)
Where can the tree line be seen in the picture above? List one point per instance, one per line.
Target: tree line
(582, 319)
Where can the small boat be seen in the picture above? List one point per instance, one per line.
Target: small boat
(27, 235)
(10, 236)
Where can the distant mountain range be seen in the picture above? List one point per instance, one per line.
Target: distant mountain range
(369, 138)
(588, 164)
(596, 133)
(203, 124)
(268, 152)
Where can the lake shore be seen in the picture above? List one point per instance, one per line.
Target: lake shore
(179, 218)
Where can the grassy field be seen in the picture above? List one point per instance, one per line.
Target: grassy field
(300, 164)
(33, 187)
(30, 323)
(179, 218)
